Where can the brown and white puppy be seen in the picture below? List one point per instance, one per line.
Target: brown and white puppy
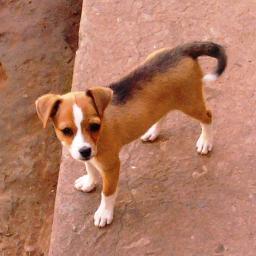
(94, 125)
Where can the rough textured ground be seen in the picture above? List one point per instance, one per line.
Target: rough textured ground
(37, 45)
(163, 207)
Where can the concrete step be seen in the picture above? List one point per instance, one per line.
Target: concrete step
(171, 201)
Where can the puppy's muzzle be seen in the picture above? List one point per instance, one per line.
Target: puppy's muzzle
(85, 152)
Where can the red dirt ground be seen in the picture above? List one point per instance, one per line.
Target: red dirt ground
(38, 40)
(163, 208)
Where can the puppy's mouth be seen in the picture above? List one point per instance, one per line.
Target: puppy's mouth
(84, 159)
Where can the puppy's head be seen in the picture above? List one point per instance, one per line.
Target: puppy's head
(77, 118)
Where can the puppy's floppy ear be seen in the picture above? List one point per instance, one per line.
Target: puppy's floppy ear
(101, 97)
(47, 106)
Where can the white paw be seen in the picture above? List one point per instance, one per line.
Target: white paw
(151, 134)
(84, 183)
(204, 144)
(103, 216)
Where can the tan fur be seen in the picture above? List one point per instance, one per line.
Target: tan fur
(179, 88)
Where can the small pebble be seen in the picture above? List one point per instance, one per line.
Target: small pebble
(220, 248)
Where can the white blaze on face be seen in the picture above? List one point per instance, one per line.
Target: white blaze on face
(78, 141)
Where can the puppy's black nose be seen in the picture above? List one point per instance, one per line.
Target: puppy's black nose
(85, 152)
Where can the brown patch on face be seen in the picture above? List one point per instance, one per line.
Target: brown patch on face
(63, 119)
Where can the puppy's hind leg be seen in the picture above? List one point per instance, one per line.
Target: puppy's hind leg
(204, 143)
(153, 132)
(196, 108)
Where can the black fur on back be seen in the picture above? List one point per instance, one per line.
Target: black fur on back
(160, 63)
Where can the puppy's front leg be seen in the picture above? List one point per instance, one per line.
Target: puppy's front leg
(104, 214)
(87, 183)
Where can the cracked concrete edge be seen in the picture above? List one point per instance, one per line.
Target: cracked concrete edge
(181, 228)
(78, 74)
(65, 158)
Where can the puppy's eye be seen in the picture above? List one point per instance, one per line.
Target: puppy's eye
(67, 131)
(94, 127)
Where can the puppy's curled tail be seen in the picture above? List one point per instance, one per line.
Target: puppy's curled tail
(196, 49)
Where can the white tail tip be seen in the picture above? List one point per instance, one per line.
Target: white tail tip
(210, 77)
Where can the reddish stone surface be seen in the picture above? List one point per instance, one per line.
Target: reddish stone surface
(37, 49)
(164, 207)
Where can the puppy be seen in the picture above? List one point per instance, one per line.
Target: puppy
(94, 125)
